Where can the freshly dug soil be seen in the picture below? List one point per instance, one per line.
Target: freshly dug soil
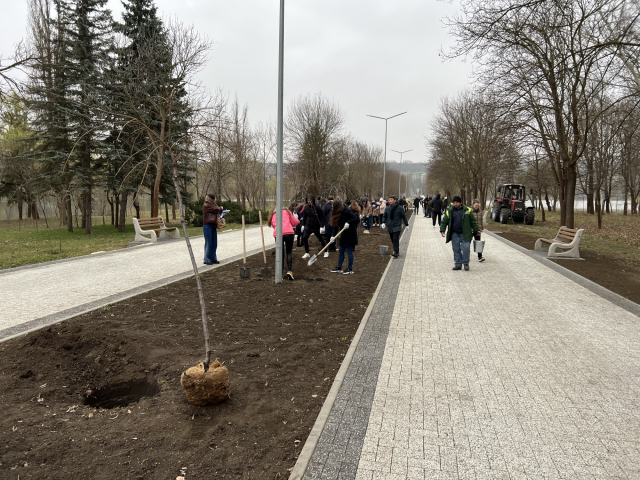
(99, 396)
(619, 276)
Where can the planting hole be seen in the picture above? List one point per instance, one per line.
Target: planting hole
(121, 394)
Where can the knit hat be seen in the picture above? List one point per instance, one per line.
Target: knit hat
(456, 199)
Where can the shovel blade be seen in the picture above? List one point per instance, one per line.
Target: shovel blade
(245, 273)
(312, 260)
(265, 271)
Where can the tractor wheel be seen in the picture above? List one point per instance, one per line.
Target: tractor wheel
(505, 213)
(530, 216)
(495, 215)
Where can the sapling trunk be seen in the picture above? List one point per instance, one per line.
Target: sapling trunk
(203, 307)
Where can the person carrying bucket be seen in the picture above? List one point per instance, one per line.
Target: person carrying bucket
(477, 212)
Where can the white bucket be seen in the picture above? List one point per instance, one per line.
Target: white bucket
(478, 246)
(383, 249)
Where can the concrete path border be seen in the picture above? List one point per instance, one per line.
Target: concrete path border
(38, 323)
(311, 443)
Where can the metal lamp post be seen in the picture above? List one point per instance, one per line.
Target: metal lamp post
(400, 176)
(279, 159)
(384, 171)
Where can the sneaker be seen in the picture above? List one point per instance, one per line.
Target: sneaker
(306, 255)
(466, 267)
(348, 271)
(395, 254)
(216, 262)
(366, 231)
(290, 275)
(208, 263)
(457, 267)
(481, 260)
(326, 254)
(336, 270)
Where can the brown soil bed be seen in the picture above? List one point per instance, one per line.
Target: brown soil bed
(99, 396)
(619, 276)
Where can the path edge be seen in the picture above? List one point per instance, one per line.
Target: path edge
(310, 444)
(590, 285)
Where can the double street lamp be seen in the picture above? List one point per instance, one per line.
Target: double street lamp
(400, 176)
(384, 171)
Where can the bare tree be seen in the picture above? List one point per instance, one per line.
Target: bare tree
(548, 59)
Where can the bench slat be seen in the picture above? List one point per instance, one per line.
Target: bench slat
(566, 237)
(566, 229)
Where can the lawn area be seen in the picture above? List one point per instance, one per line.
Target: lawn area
(25, 244)
(619, 236)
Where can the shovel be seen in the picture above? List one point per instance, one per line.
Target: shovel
(244, 271)
(313, 259)
(264, 271)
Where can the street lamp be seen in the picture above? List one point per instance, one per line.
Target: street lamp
(279, 253)
(400, 176)
(384, 171)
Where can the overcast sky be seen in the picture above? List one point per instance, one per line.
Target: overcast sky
(371, 57)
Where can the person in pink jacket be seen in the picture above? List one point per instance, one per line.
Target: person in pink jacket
(289, 222)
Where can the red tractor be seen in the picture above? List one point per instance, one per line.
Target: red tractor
(511, 203)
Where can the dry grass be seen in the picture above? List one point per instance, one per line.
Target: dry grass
(619, 235)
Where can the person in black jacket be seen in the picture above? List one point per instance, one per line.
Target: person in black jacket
(312, 223)
(328, 229)
(416, 205)
(340, 218)
(393, 219)
(436, 210)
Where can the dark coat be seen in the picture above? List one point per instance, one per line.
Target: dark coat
(312, 217)
(349, 237)
(327, 217)
(437, 206)
(469, 225)
(394, 217)
(416, 202)
(210, 213)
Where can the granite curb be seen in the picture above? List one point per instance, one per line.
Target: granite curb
(38, 323)
(300, 469)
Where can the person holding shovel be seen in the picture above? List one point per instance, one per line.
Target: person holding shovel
(344, 218)
(392, 220)
(289, 222)
(209, 228)
(312, 222)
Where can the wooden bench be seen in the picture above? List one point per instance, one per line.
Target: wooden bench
(567, 239)
(157, 229)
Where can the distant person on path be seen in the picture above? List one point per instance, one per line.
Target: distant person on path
(340, 218)
(366, 213)
(375, 212)
(312, 223)
(328, 229)
(462, 228)
(436, 210)
(478, 213)
(289, 222)
(416, 205)
(394, 217)
(210, 213)
(381, 210)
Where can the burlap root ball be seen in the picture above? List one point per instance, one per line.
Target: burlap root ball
(206, 388)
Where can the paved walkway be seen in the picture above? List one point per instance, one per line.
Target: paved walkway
(508, 371)
(43, 294)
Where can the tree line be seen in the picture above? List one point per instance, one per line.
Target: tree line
(555, 103)
(116, 109)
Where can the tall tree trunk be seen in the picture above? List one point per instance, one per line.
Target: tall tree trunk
(166, 212)
(67, 201)
(116, 200)
(123, 212)
(136, 205)
(599, 209)
(88, 223)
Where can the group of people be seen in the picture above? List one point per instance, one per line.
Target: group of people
(332, 218)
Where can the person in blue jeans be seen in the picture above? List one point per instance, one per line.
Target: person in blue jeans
(344, 218)
(209, 228)
(462, 228)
